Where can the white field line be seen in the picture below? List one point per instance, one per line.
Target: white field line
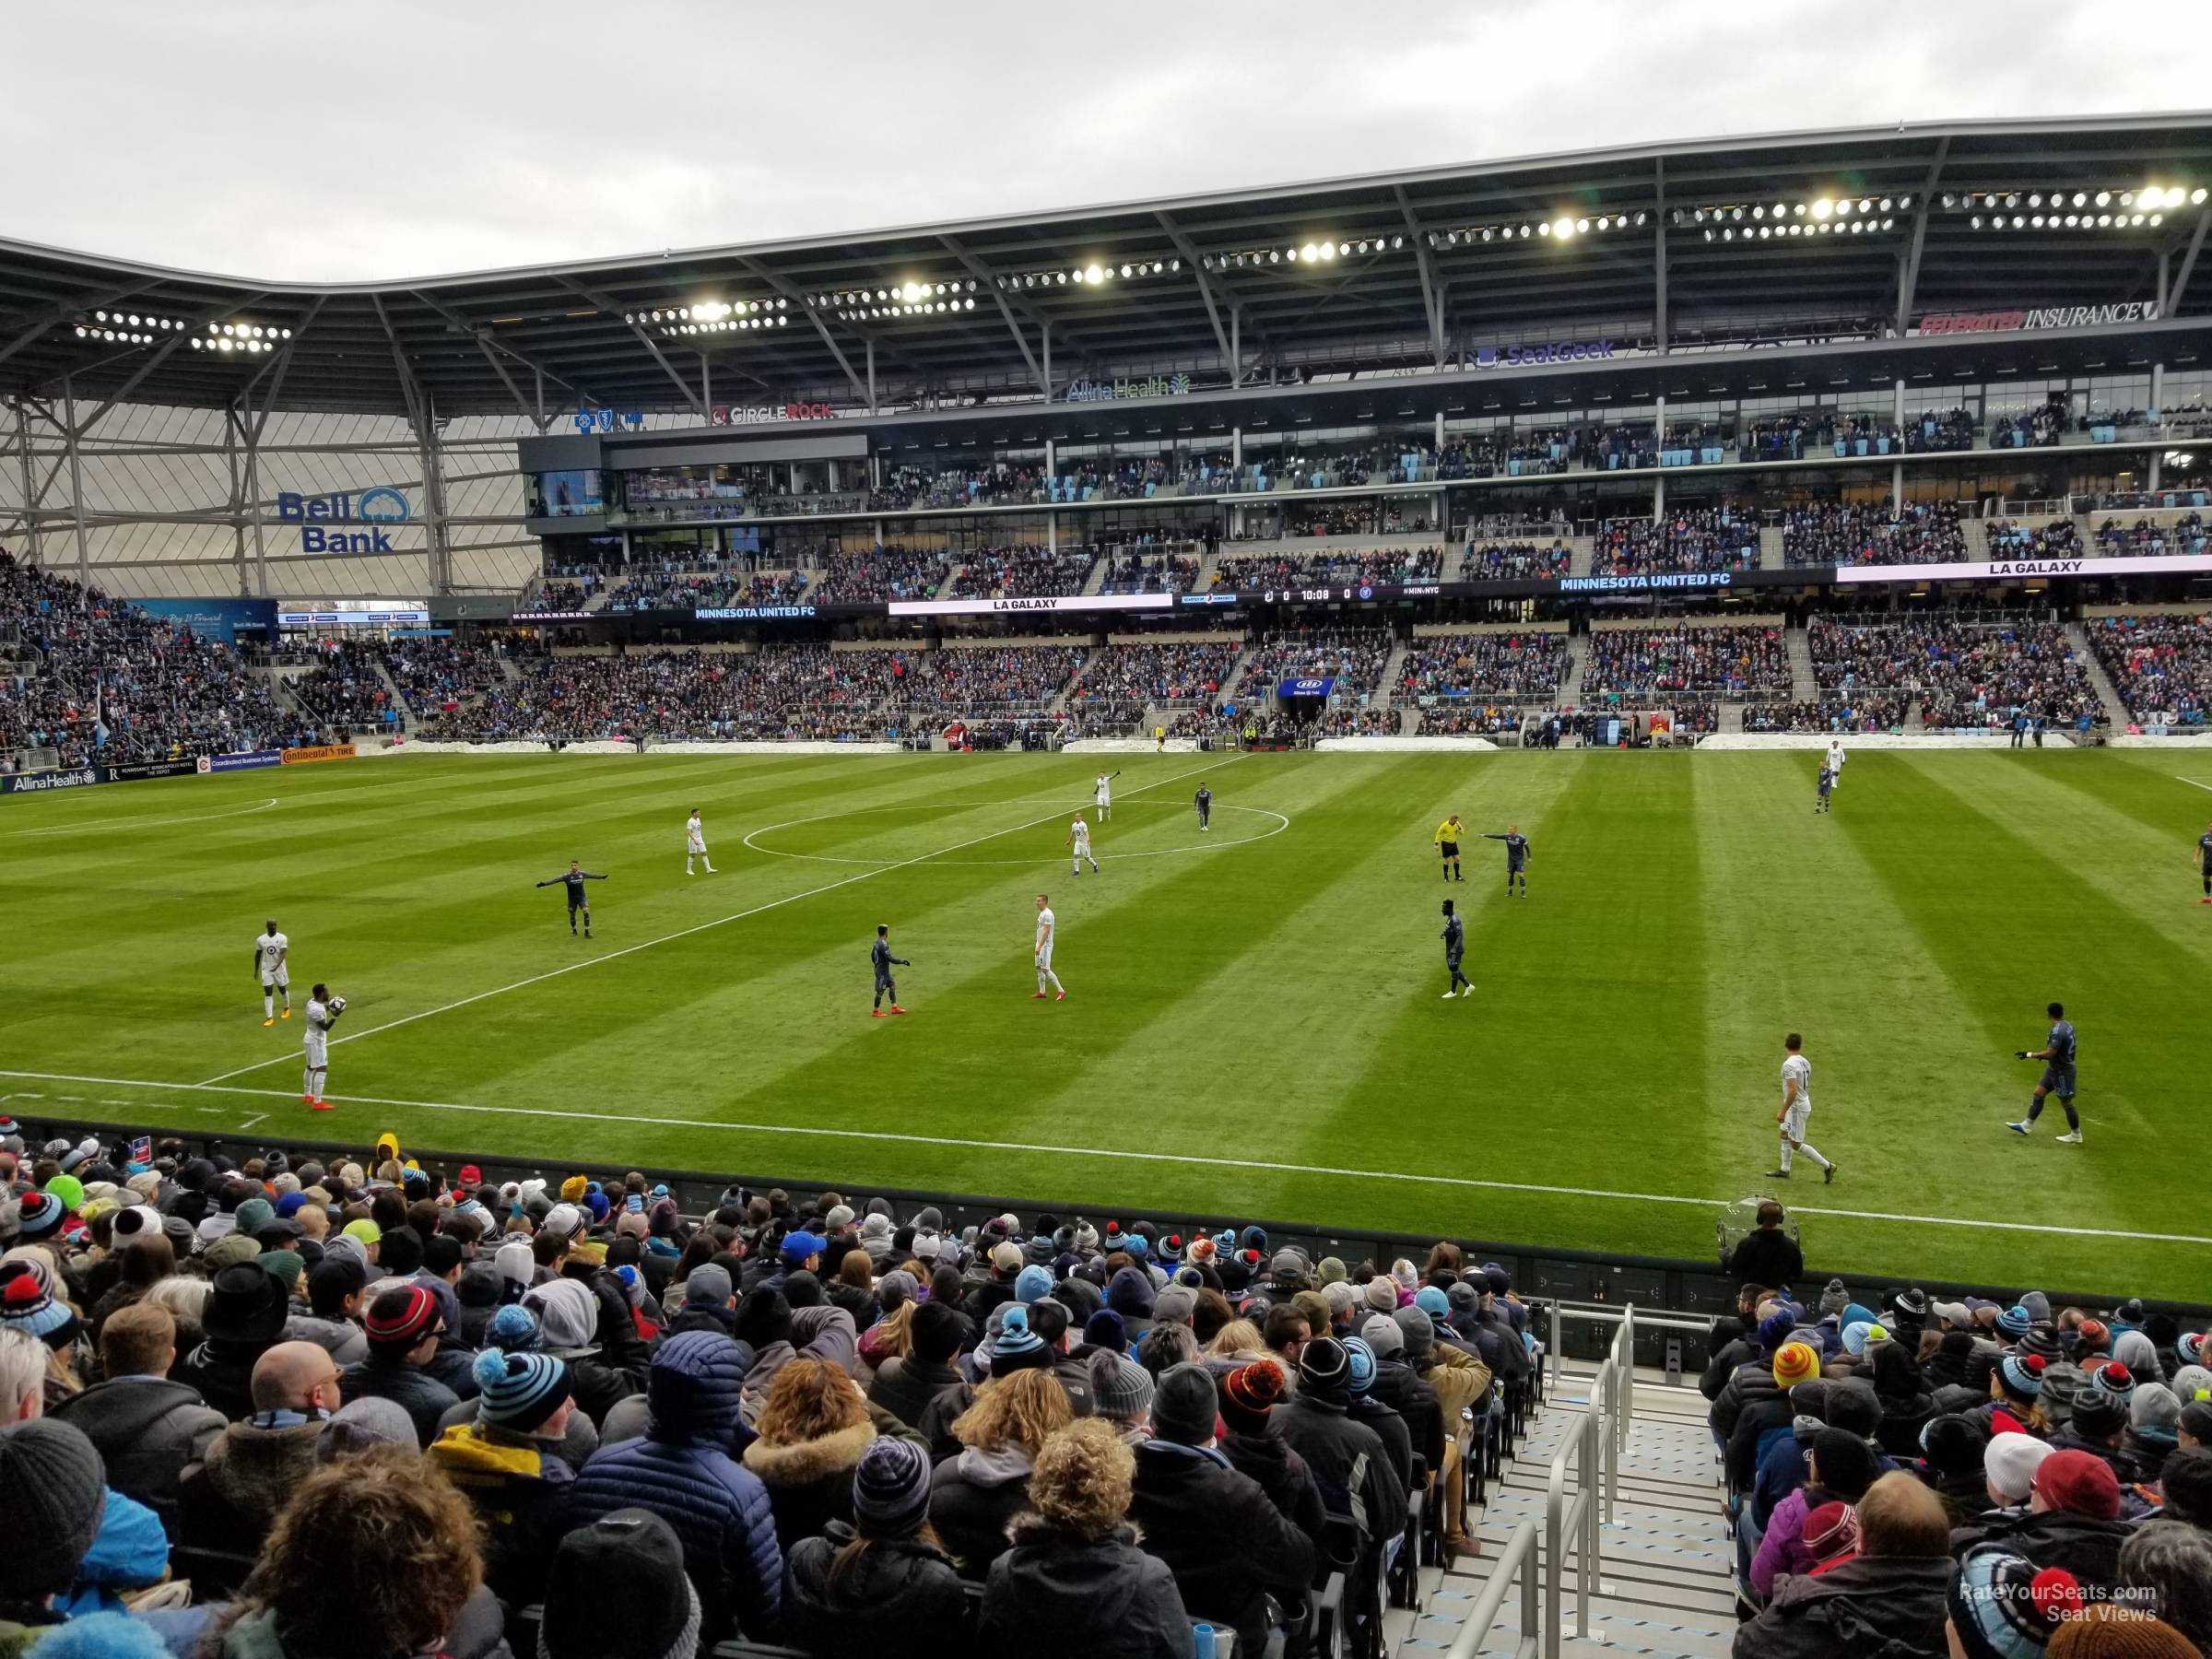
(1108, 1155)
(2192, 783)
(684, 932)
(135, 823)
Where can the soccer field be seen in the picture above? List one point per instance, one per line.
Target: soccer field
(1255, 1023)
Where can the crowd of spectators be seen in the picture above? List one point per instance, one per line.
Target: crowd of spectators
(1965, 673)
(1020, 572)
(1136, 572)
(2161, 665)
(707, 589)
(789, 692)
(1484, 665)
(956, 681)
(443, 1415)
(343, 693)
(2147, 538)
(435, 675)
(1514, 561)
(1960, 1475)
(1353, 657)
(882, 573)
(1469, 718)
(1734, 662)
(1358, 723)
(1873, 712)
(1926, 533)
(1396, 567)
(2056, 538)
(995, 484)
(1692, 539)
(99, 679)
(1167, 672)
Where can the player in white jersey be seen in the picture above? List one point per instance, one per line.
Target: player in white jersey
(695, 843)
(1834, 763)
(1101, 794)
(1797, 1108)
(323, 1011)
(271, 954)
(1079, 841)
(1045, 929)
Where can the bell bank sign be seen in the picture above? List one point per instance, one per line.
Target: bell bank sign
(380, 508)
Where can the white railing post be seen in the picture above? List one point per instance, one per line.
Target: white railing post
(1591, 1494)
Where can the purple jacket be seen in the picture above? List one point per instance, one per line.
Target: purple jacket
(1781, 1549)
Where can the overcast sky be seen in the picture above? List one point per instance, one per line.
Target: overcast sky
(395, 138)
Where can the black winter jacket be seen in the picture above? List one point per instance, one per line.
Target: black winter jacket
(1055, 1592)
(1219, 1534)
(900, 1599)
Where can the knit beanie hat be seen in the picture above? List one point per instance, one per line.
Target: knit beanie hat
(2010, 1465)
(1953, 1445)
(1382, 1294)
(2023, 1374)
(54, 1491)
(1775, 1328)
(230, 1250)
(618, 1591)
(2002, 1608)
(1794, 1363)
(2106, 1629)
(515, 1330)
(1341, 1297)
(1359, 1362)
(1184, 1405)
(1857, 1335)
(2081, 1483)
(2155, 1408)
(371, 1421)
(890, 1486)
(253, 1214)
(1249, 1394)
(573, 1189)
(1416, 1328)
(401, 1316)
(2101, 1404)
(69, 1190)
(1831, 1531)
(567, 1314)
(1121, 1389)
(1324, 1370)
(2014, 1321)
(516, 1265)
(1104, 1329)
(40, 1215)
(519, 1391)
(27, 1306)
(1017, 1347)
(1033, 1283)
(1834, 1299)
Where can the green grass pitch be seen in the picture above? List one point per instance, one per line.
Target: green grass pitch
(1257, 1011)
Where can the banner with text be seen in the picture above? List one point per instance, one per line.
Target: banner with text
(1064, 602)
(2000, 570)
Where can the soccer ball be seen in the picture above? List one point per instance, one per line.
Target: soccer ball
(337, 1004)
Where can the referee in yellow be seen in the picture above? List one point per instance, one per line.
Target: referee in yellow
(1448, 836)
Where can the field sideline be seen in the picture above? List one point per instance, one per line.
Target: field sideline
(1255, 1023)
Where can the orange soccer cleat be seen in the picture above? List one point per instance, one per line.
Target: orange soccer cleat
(266, 1024)
(286, 1014)
(320, 1106)
(1036, 997)
(1062, 997)
(897, 1009)
(307, 1099)
(874, 1013)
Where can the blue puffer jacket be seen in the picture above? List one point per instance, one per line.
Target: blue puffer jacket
(682, 1471)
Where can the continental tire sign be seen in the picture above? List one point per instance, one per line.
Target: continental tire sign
(320, 751)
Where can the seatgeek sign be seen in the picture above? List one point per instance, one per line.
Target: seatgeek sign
(1551, 351)
(380, 508)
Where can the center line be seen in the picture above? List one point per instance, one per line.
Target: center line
(830, 887)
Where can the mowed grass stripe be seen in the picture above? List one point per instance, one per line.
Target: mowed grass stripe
(704, 991)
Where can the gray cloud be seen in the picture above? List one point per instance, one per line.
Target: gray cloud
(406, 138)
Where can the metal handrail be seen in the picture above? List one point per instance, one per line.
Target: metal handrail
(1578, 1518)
(1518, 1559)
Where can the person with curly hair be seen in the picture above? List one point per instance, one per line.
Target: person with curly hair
(373, 1558)
(812, 1431)
(1074, 1582)
(977, 1491)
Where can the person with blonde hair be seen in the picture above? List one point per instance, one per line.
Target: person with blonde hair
(980, 1488)
(812, 1431)
(1075, 1584)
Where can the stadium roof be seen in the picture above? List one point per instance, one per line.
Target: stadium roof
(1838, 230)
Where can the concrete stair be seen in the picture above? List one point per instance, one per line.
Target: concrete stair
(1393, 668)
(1059, 702)
(408, 719)
(1769, 548)
(1977, 539)
(1228, 694)
(1666, 1583)
(1803, 687)
(1096, 579)
(2108, 696)
(1578, 664)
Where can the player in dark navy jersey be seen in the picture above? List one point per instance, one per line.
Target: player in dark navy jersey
(1455, 943)
(579, 901)
(2204, 863)
(884, 961)
(1516, 857)
(2057, 1055)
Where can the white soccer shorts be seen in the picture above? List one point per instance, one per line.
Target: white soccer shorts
(281, 977)
(1792, 1124)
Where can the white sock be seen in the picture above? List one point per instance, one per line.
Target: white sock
(1785, 1155)
(1814, 1154)
(1056, 979)
(268, 1006)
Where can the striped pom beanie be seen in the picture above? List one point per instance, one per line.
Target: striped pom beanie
(519, 1391)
